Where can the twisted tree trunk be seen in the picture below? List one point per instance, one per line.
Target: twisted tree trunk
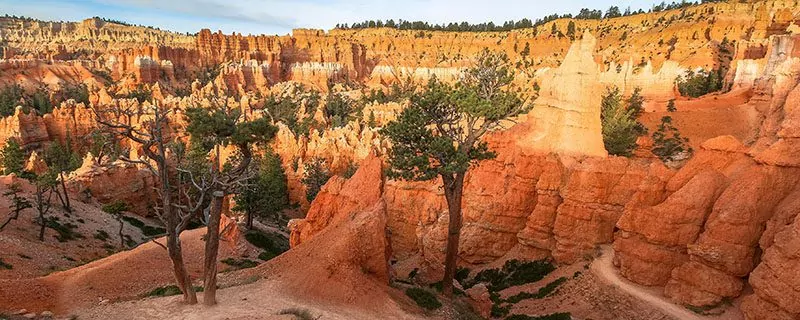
(453, 190)
(212, 249)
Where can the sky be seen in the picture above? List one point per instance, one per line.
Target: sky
(281, 16)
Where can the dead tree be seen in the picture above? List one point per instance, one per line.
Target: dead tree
(151, 132)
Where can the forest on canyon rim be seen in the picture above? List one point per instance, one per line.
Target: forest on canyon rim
(608, 165)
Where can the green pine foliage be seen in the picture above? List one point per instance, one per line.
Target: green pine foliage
(12, 157)
(339, 110)
(619, 122)
(316, 174)
(698, 83)
(267, 193)
(440, 131)
(668, 144)
(10, 97)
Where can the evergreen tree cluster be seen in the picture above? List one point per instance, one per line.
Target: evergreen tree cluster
(698, 83)
(41, 99)
(619, 119)
(584, 14)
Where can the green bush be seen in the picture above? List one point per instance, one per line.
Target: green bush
(237, 264)
(300, 314)
(695, 84)
(554, 316)
(500, 310)
(513, 273)
(4, 265)
(266, 256)
(147, 230)
(424, 298)
(667, 141)
(272, 244)
(170, 290)
(101, 235)
(65, 231)
(543, 292)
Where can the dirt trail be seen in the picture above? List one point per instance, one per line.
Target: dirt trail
(605, 270)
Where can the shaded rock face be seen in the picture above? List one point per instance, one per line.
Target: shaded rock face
(339, 199)
(118, 181)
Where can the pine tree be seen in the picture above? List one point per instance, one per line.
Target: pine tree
(267, 193)
(13, 157)
(439, 135)
(619, 124)
(571, 30)
(316, 174)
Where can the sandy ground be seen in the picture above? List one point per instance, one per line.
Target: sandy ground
(261, 300)
(605, 270)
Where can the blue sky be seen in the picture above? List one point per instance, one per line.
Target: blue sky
(280, 16)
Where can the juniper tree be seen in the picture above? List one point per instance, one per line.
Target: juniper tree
(217, 127)
(440, 135)
(151, 133)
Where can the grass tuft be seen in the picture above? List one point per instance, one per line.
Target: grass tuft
(424, 298)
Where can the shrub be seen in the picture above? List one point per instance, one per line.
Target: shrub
(116, 208)
(424, 298)
(272, 244)
(513, 273)
(554, 316)
(101, 235)
(339, 110)
(4, 265)
(238, 264)
(65, 231)
(301, 314)
(500, 310)
(147, 230)
(170, 290)
(543, 292)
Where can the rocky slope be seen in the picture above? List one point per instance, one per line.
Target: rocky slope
(707, 232)
(698, 231)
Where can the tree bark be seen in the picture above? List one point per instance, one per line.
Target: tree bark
(248, 219)
(212, 249)
(121, 236)
(173, 221)
(453, 190)
(182, 277)
(66, 195)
